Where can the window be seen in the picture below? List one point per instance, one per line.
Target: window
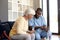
(53, 16)
(17, 7)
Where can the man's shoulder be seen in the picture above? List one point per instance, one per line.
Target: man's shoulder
(41, 17)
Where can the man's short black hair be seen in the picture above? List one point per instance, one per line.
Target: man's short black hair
(39, 9)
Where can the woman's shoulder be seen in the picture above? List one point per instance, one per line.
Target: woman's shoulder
(20, 18)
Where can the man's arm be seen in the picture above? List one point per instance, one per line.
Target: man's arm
(36, 27)
(41, 27)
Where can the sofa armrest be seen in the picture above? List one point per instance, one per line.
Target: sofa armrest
(4, 33)
(0, 37)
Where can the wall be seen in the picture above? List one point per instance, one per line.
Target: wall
(36, 4)
(4, 10)
(0, 10)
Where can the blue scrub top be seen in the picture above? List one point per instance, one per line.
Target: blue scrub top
(37, 22)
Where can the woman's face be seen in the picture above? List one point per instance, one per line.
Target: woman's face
(30, 16)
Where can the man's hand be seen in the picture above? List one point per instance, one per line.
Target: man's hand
(46, 29)
(38, 27)
(41, 27)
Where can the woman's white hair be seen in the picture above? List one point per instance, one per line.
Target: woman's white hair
(29, 11)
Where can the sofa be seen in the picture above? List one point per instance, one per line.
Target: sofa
(5, 27)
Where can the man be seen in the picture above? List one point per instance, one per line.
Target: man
(38, 23)
(20, 30)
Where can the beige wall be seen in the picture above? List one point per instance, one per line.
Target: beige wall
(36, 4)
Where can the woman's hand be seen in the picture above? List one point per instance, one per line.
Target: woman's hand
(30, 32)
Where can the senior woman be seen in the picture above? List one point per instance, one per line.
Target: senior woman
(20, 30)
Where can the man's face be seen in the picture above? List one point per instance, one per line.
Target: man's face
(38, 14)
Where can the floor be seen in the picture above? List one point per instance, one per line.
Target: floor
(55, 37)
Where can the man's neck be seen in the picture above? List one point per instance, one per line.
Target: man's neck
(36, 17)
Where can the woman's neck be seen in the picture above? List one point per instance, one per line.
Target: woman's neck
(26, 18)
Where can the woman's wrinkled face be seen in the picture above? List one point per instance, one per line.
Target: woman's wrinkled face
(30, 16)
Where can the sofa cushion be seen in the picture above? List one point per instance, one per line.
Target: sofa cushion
(10, 24)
